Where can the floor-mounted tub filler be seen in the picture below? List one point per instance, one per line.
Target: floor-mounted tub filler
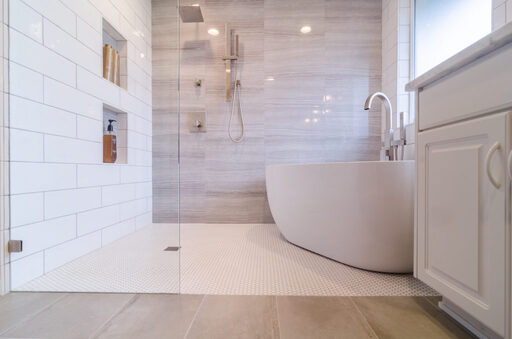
(357, 213)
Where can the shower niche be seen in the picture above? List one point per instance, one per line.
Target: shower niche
(115, 50)
(118, 120)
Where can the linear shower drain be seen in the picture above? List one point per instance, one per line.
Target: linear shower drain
(172, 248)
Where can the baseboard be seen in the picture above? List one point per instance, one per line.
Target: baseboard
(467, 321)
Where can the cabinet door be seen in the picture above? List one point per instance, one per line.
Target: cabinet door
(461, 215)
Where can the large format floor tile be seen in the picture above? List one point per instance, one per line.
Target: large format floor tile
(73, 316)
(196, 316)
(236, 317)
(320, 317)
(154, 316)
(407, 317)
(16, 307)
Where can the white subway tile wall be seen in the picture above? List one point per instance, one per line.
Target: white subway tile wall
(27, 209)
(509, 11)
(64, 201)
(4, 152)
(26, 83)
(501, 13)
(395, 56)
(61, 254)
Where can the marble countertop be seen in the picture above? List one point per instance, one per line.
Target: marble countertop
(484, 46)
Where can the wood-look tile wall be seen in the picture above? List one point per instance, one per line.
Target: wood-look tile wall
(302, 100)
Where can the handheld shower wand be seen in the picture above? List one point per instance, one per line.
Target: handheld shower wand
(236, 106)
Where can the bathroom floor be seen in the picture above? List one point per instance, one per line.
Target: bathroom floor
(80, 315)
(219, 259)
(256, 260)
(136, 263)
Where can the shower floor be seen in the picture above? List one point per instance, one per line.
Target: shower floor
(227, 259)
(136, 263)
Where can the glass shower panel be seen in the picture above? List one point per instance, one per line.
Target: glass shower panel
(166, 169)
(93, 147)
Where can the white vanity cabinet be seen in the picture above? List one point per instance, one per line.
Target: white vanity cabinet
(461, 215)
(463, 202)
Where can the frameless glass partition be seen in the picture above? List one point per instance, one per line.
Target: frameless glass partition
(93, 138)
(166, 104)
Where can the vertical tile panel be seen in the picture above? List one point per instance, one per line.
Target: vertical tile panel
(323, 76)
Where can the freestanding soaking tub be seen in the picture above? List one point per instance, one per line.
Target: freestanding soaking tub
(357, 213)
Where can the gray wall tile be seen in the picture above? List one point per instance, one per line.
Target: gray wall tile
(310, 112)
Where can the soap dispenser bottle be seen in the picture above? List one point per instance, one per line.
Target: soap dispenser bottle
(110, 144)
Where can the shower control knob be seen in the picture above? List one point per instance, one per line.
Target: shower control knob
(198, 123)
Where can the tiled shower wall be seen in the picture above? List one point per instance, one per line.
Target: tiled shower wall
(165, 110)
(302, 99)
(64, 201)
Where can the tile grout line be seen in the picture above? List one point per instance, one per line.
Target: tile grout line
(195, 316)
(277, 317)
(428, 299)
(363, 317)
(32, 316)
(123, 307)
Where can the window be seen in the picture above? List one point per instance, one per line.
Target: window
(445, 27)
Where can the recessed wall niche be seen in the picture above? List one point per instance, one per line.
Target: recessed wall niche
(120, 130)
(115, 52)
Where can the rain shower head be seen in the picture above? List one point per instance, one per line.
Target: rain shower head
(191, 14)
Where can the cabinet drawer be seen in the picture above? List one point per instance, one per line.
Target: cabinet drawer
(481, 87)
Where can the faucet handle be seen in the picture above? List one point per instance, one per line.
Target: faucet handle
(402, 127)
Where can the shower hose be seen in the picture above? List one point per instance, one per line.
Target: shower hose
(237, 107)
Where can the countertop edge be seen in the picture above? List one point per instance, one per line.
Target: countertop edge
(484, 46)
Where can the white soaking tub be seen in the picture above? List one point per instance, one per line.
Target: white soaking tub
(358, 213)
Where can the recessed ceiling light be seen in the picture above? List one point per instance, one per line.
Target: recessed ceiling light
(315, 120)
(142, 55)
(270, 78)
(213, 31)
(307, 120)
(305, 29)
(196, 5)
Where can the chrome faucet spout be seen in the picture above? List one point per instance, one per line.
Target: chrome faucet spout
(389, 120)
(387, 104)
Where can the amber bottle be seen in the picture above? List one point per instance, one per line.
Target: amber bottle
(110, 144)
